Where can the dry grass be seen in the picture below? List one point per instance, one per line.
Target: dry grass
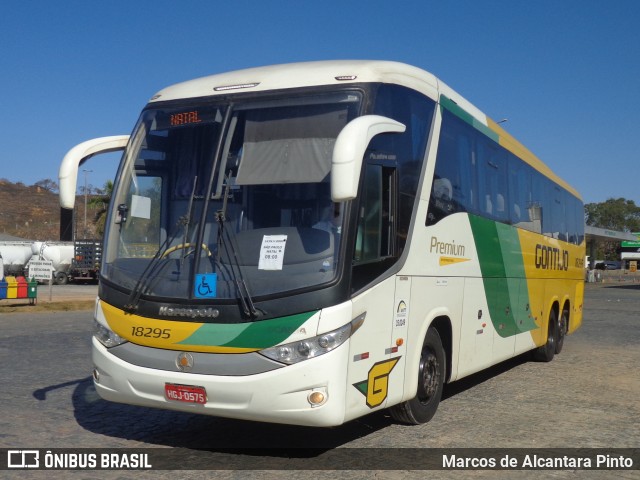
(33, 213)
(22, 305)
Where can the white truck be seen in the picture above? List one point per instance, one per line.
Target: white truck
(16, 256)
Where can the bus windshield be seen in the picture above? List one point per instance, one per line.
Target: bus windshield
(216, 199)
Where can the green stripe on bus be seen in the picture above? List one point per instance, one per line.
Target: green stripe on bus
(255, 335)
(503, 275)
(462, 114)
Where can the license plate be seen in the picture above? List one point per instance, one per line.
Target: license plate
(185, 393)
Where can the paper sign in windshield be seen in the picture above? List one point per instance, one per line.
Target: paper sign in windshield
(272, 252)
(140, 207)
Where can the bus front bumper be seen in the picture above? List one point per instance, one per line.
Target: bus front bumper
(285, 395)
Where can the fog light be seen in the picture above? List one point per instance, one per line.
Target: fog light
(96, 375)
(316, 398)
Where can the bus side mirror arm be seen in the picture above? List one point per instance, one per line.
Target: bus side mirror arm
(122, 214)
(349, 150)
(68, 173)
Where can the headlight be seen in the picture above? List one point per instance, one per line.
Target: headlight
(106, 336)
(295, 352)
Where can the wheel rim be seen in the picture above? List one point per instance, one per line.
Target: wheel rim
(562, 330)
(429, 376)
(553, 332)
(562, 326)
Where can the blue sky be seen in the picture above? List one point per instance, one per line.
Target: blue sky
(565, 73)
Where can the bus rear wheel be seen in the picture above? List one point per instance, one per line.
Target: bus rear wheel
(546, 352)
(431, 374)
(563, 325)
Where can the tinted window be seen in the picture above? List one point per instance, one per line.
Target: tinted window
(392, 169)
(404, 151)
(475, 174)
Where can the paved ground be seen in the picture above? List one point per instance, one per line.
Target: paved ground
(586, 398)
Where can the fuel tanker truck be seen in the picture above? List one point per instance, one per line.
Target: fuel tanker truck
(60, 254)
(16, 256)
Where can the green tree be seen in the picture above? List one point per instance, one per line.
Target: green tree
(615, 214)
(101, 203)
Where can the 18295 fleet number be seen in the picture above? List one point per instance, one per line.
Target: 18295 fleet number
(150, 332)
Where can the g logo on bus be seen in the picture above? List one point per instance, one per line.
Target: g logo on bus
(376, 386)
(184, 362)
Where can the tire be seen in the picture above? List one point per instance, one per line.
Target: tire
(563, 326)
(546, 352)
(61, 278)
(431, 374)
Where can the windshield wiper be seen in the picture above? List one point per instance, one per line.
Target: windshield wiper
(246, 302)
(221, 217)
(150, 271)
(187, 219)
(147, 275)
(144, 281)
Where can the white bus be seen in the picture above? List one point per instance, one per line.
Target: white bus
(309, 243)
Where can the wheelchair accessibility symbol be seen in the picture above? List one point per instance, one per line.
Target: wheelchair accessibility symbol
(205, 286)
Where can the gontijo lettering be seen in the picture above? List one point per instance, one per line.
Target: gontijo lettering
(551, 258)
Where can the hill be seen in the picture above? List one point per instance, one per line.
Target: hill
(33, 212)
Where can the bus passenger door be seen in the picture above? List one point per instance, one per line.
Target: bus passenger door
(373, 371)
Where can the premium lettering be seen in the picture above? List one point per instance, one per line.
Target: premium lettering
(444, 248)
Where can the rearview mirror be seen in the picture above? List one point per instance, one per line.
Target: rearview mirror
(349, 149)
(68, 173)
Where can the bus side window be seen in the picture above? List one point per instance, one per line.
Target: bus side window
(488, 204)
(374, 240)
(404, 151)
(443, 189)
(486, 179)
(375, 249)
(493, 180)
(453, 184)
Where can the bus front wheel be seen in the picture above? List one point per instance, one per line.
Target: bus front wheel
(431, 374)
